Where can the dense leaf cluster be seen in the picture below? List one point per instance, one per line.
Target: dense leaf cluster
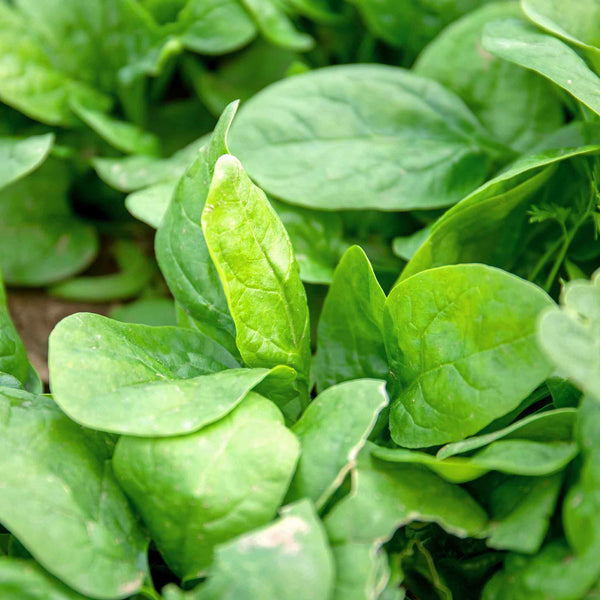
(376, 371)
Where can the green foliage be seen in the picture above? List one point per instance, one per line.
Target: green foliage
(364, 364)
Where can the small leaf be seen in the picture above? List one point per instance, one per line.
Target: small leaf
(332, 431)
(350, 334)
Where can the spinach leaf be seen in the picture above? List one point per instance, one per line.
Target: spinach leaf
(60, 499)
(332, 431)
(41, 241)
(296, 543)
(142, 380)
(570, 335)
(25, 580)
(486, 226)
(362, 136)
(521, 44)
(384, 498)
(13, 356)
(200, 490)
(182, 251)
(514, 457)
(350, 334)
(20, 157)
(516, 105)
(258, 270)
(462, 348)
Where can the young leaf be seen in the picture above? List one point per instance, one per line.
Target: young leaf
(19, 157)
(141, 380)
(523, 45)
(200, 490)
(570, 335)
(258, 270)
(514, 457)
(462, 349)
(60, 499)
(550, 426)
(181, 249)
(359, 137)
(350, 334)
(332, 431)
(487, 225)
(295, 543)
(521, 509)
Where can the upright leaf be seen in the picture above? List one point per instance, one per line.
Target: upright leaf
(332, 431)
(462, 348)
(350, 334)
(258, 270)
(181, 249)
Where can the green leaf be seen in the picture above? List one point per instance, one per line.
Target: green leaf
(135, 273)
(258, 270)
(275, 25)
(138, 172)
(13, 356)
(516, 105)
(410, 24)
(60, 499)
(181, 249)
(406, 246)
(514, 457)
(359, 137)
(550, 426)
(200, 490)
(462, 348)
(142, 380)
(570, 335)
(151, 204)
(563, 571)
(578, 24)
(384, 498)
(19, 157)
(288, 559)
(487, 225)
(240, 76)
(521, 509)
(316, 237)
(30, 82)
(124, 136)
(25, 580)
(214, 26)
(41, 241)
(332, 431)
(147, 311)
(350, 335)
(523, 45)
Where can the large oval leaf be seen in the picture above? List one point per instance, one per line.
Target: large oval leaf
(199, 490)
(362, 136)
(462, 347)
(58, 496)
